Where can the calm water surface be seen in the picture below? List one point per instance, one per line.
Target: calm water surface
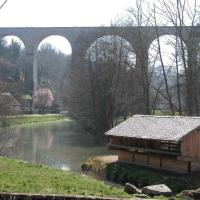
(60, 144)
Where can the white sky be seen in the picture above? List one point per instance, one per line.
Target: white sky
(61, 13)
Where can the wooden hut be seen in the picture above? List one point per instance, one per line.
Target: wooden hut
(163, 142)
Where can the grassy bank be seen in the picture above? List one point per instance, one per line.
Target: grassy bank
(26, 119)
(22, 177)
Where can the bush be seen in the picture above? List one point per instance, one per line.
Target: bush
(54, 108)
(139, 177)
(4, 122)
(43, 100)
(176, 185)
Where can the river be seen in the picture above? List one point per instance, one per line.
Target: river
(60, 144)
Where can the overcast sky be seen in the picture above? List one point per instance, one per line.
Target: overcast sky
(60, 13)
(28, 13)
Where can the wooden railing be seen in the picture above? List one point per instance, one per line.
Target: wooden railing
(150, 145)
(141, 149)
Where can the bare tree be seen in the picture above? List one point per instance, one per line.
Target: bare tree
(3, 4)
(102, 89)
(50, 61)
(180, 13)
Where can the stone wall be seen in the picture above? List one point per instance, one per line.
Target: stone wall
(17, 196)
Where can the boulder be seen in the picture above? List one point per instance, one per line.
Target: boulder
(131, 189)
(193, 194)
(160, 189)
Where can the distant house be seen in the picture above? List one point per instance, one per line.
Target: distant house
(163, 142)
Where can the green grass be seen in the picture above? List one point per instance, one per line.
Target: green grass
(26, 119)
(22, 177)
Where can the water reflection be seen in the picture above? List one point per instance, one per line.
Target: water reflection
(60, 144)
(65, 167)
(6, 142)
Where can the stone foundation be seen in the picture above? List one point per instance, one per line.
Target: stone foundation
(17, 196)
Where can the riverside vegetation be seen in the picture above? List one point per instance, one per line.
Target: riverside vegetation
(26, 119)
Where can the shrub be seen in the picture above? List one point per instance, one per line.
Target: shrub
(135, 175)
(43, 100)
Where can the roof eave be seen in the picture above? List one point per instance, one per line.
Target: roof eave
(190, 132)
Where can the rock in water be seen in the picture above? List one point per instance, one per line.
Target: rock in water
(157, 190)
(131, 189)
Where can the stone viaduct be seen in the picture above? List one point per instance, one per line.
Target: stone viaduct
(81, 38)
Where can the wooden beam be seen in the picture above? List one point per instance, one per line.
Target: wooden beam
(138, 149)
(189, 166)
(186, 158)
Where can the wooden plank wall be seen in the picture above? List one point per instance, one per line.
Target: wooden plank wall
(195, 166)
(190, 146)
(141, 158)
(156, 161)
(115, 140)
(125, 156)
(174, 165)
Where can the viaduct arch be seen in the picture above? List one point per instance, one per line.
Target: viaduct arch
(80, 39)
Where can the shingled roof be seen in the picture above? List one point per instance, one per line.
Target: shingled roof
(168, 128)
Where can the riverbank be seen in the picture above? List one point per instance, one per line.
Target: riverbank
(96, 166)
(107, 168)
(20, 177)
(27, 119)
